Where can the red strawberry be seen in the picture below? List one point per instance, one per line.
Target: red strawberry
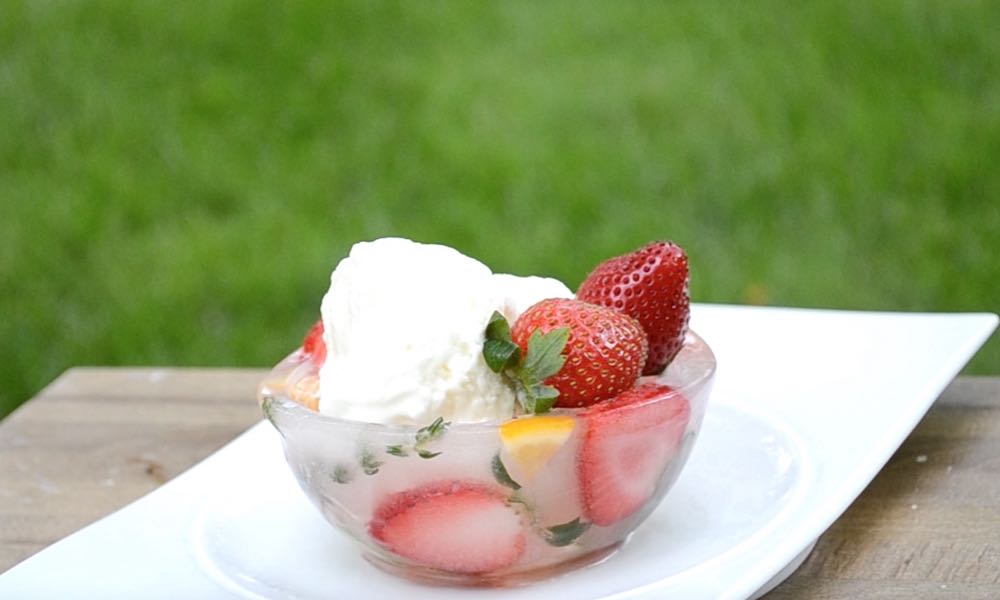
(650, 285)
(604, 353)
(458, 526)
(313, 344)
(629, 443)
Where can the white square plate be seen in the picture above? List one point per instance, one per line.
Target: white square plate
(808, 405)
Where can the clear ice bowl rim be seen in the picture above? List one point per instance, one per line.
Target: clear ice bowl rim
(298, 362)
(278, 400)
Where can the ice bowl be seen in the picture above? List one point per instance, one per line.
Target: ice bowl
(495, 503)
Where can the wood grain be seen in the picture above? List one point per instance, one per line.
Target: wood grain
(95, 439)
(928, 526)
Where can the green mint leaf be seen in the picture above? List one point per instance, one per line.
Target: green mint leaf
(566, 533)
(501, 354)
(518, 498)
(426, 453)
(369, 464)
(501, 475)
(268, 409)
(341, 474)
(545, 357)
(396, 450)
(498, 328)
(432, 431)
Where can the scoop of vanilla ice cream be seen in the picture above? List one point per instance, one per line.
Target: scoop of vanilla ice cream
(404, 325)
(519, 293)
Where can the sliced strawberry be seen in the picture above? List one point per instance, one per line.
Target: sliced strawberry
(629, 443)
(313, 344)
(650, 285)
(457, 526)
(604, 353)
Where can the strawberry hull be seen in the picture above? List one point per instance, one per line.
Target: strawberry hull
(459, 503)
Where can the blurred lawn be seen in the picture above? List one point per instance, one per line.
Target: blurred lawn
(178, 178)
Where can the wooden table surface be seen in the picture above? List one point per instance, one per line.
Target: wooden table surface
(95, 439)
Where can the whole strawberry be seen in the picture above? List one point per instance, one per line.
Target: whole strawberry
(650, 285)
(603, 355)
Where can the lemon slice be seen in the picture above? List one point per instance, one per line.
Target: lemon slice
(306, 392)
(532, 441)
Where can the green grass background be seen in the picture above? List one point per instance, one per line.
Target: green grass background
(177, 179)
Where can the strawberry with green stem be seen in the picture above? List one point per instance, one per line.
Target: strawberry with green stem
(566, 353)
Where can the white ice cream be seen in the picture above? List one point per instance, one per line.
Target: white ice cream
(404, 327)
(519, 293)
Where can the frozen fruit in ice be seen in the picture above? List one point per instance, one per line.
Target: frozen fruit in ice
(531, 441)
(629, 442)
(458, 526)
(305, 391)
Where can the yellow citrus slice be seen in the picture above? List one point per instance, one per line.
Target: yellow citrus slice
(306, 392)
(532, 441)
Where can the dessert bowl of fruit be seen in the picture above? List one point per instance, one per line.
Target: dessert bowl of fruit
(497, 448)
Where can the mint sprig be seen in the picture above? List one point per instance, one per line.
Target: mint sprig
(501, 475)
(431, 432)
(424, 435)
(341, 474)
(526, 372)
(560, 535)
(369, 463)
(566, 533)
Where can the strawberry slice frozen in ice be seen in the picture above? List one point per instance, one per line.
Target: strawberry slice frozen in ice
(458, 526)
(630, 441)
